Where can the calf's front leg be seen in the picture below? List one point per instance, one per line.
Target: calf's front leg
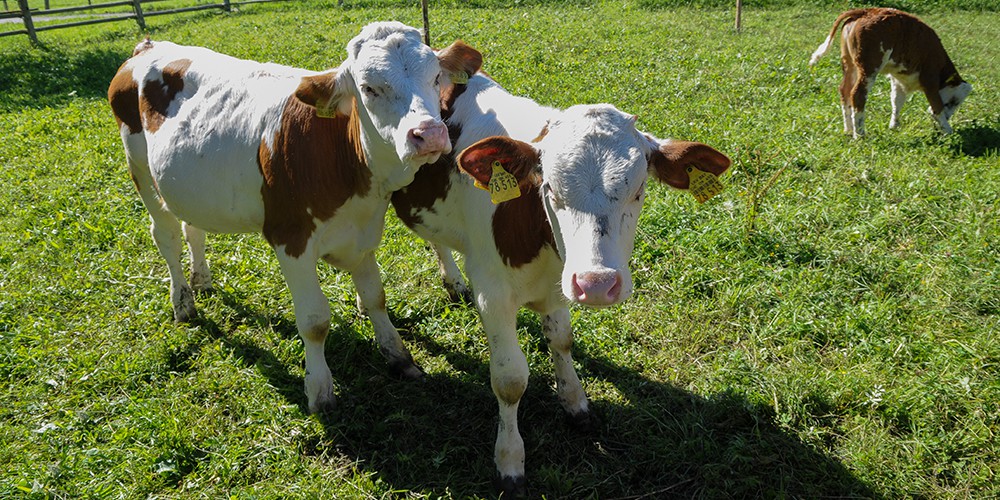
(559, 332)
(509, 379)
(201, 276)
(312, 319)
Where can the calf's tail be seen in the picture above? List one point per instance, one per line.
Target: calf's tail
(848, 16)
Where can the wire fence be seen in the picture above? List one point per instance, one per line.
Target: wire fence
(136, 12)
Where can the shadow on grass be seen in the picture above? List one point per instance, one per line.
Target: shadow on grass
(52, 76)
(436, 436)
(977, 139)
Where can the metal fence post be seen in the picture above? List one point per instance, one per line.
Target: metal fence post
(28, 25)
(137, 6)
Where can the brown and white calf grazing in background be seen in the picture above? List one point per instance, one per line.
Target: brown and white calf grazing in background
(580, 178)
(307, 158)
(898, 44)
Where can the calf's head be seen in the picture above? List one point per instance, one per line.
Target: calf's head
(953, 93)
(591, 164)
(390, 80)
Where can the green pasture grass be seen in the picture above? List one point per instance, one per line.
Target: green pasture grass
(825, 327)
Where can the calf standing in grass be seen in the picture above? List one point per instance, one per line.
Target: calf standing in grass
(574, 182)
(890, 41)
(307, 158)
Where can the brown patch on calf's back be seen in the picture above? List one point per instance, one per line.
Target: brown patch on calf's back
(123, 96)
(315, 165)
(915, 46)
(158, 94)
(521, 229)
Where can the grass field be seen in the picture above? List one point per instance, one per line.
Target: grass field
(826, 327)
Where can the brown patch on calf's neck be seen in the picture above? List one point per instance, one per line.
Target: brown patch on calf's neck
(448, 98)
(158, 94)
(521, 229)
(314, 166)
(430, 184)
(123, 95)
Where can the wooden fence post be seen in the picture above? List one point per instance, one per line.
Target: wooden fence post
(739, 15)
(137, 6)
(427, 28)
(226, 6)
(28, 25)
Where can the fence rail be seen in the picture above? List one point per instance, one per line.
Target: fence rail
(138, 14)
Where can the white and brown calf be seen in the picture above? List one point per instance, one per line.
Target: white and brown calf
(309, 159)
(900, 45)
(582, 174)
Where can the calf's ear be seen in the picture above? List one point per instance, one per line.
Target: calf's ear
(326, 93)
(668, 163)
(460, 59)
(518, 158)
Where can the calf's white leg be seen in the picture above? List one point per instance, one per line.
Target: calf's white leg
(201, 276)
(848, 118)
(898, 99)
(164, 227)
(559, 332)
(312, 319)
(509, 379)
(451, 276)
(371, 295)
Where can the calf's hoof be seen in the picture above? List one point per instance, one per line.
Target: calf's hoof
(323, 406)
(459, 293)
(405, 369)
(185, 311)
(583, 422)
(201, 283)
(511, 487)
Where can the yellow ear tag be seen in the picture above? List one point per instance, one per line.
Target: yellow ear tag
(326, 111)
(503, 185)
(459, 78)
(703, 185)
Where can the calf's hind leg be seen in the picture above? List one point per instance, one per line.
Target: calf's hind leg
(166, 232)
(846, 86)
(451, 276)
(859, 96)
(371, 295)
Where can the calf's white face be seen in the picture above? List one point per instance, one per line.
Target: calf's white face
(395, 78)
(592, 165)
(952, 96)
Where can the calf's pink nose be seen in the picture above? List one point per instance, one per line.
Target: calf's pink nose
(429, 137)
(597, 288)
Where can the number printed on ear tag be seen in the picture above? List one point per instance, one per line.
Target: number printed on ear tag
(703, 185)
(503, 185)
